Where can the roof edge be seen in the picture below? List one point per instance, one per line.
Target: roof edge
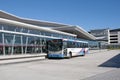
(16, 23)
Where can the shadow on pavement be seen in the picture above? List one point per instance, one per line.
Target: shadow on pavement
(113, 62)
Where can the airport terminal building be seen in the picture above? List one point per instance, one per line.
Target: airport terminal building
(27, 36)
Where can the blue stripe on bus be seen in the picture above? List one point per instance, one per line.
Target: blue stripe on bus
(55, 55)
(82, 51)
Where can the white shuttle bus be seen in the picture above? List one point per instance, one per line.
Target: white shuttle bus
(62, 48)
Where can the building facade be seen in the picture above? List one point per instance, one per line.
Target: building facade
(115, 36)
(101, 34)
(107, 37)
(26, 36)
(23, 40)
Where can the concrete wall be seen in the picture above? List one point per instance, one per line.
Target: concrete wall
(119, 37)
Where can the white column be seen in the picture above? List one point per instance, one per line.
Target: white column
(26, 43)
(21, 43)
(41, 43)
(21, 37)
(3, 43)
(13, 44)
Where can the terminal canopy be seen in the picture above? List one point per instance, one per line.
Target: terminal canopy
(81, 33)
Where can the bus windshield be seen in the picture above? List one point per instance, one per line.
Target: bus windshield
(55, 45)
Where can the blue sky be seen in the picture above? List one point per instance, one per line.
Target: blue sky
(88, 14)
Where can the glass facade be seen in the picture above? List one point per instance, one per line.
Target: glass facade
(19, 40)
(92, 44)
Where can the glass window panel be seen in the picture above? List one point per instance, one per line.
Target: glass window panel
(0, 37)
(9, 28)
(24, 30)
(24, 39)
(34, 31)
(48, 34)
(17, 39)
(8, 38)
(18, 29)
(0, 27)
(31, 40)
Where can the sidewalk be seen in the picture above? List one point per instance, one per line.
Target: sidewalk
(10, 59)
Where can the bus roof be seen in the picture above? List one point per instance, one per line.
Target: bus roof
(72, 40)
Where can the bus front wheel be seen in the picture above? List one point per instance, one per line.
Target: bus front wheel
(70, 54)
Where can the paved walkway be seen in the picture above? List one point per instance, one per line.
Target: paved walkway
(10, 59)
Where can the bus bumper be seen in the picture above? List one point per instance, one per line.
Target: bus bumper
(55, 56)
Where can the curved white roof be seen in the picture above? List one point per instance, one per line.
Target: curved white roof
(81, 33)
(71, 30)
(6, 15)
(29, 26)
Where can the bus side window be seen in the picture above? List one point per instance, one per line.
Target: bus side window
(80, 45)
(65, 44)
(83, 45)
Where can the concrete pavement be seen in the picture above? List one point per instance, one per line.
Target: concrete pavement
(109, 75)
(77, 68)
